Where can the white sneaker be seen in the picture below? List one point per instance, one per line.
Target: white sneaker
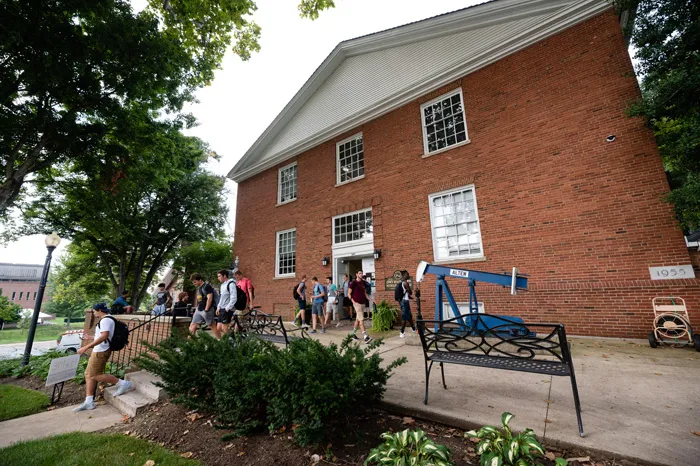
(339, 324)
(84, 406)
(402, 335)
(123, 388)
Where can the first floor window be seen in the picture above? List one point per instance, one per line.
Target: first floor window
(443, 122)
(286, 257)
(287, 186)
(455, 223)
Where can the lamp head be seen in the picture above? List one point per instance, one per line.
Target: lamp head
(52, 240)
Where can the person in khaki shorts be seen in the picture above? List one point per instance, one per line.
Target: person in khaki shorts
(95, 371)
(359, 297)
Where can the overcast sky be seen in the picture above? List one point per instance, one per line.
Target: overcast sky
(246, 96)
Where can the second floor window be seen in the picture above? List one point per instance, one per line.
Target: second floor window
(287, 184)
(443, 123)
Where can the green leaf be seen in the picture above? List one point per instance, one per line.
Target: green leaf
(505, 418)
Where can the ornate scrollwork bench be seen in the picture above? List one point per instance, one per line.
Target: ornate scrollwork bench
(267, 327)
(499, 343)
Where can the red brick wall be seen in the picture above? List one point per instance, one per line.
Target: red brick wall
(583, 217)
(10, 286)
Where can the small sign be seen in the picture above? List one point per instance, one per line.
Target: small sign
(672, 272)
(391, 282)
(459, 273)
(62, 369)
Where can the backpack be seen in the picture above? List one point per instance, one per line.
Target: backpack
(398, 292)
(117, 309)
(241, 298)
(325, 292)
(120, 337)
(294, 292)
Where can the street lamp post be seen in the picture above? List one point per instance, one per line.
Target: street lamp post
(51, 241)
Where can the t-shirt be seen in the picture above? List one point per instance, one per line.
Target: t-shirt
(332, 290)
(301, 289)
(121, 301)
(204, 290)
(104, 325)
(245, 285)
(406, 297)
(162, 297)
(346, 284)
(318, 290)
(358, 291)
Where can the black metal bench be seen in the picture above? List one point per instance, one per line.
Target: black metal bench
(496, 342)
(267, 327)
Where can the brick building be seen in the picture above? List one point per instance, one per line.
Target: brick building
(20, 283)
(487, 138)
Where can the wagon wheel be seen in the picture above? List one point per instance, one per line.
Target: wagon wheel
(652, 340)
(671, 326)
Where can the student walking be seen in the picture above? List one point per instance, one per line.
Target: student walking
(347, 302)
(244, 284)
(332, 305)
(319, 293)
(405, 304)
(206, 306)
(121, 304)
(227, 300)
(359, 297)
(300, 295)
(95, 372)
(162, 301)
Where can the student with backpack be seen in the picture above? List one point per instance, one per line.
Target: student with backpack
(244, 284)
(207, 301)
(402, 294)
(318, 300)
(110, 335)
(299, 293)
(227, 300)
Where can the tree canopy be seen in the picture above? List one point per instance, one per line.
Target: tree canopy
(205, 258)
(70, 70)
(9, 311)
(666, 36)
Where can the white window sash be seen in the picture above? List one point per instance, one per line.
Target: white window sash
(426, 152)
(279, 235)
(369, 239)
(433, 227)
(279, 183)
(338, 145)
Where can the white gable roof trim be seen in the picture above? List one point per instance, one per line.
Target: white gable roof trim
(491, 31)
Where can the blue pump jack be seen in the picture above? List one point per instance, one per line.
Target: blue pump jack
(514, 281)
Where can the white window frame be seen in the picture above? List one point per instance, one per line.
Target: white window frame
(279, 184)
(277, 254)
(426, 153)
(337, 159)
(357, 241)
(432, 228)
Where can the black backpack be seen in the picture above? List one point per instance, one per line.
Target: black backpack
(120, 337)
(294, 292)
(398, 292)
(241, 298)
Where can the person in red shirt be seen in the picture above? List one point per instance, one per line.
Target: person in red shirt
(247, 287)
(359, 297)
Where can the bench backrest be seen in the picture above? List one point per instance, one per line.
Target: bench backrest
(259, 323)
(496, 336)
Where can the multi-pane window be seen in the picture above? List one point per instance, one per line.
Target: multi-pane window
(455, 223)
(350, 159)
(20, 295)
(443, 122)
(353, 227)
(14, 293)
(287, 184)
(286, 257)
(35, 295)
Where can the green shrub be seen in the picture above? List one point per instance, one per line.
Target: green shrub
(409, 448)
(384, 317)
(501, 447)
(251, 384)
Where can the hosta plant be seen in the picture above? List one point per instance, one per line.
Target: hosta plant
(501, 447)
(409, 448)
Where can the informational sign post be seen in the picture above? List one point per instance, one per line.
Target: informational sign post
(391, 282)
(62, 369)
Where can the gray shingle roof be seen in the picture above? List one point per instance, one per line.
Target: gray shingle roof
(29, 272)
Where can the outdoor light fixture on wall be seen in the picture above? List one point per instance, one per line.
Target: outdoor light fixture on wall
(324, 261)
(377, 253)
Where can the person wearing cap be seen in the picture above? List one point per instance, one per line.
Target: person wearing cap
(95, 371)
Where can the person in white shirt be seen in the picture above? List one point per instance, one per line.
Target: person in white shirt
(227, 300)
(95, 371)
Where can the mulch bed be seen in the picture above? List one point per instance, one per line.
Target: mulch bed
(72, 393)
(193, 435)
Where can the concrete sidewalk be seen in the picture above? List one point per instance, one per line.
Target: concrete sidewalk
(58, 421)
(637, 402)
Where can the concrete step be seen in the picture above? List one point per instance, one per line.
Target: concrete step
(131, 402)
(143, 382)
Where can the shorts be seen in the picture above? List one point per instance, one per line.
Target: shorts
(317, 309)
(406, 310)
(224, 317)
(97, 362)
(359, 311)
(159, 310)
(203, 316)
(302, 304)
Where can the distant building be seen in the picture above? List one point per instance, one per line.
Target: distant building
(20, 283)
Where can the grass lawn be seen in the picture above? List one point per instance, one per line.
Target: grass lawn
(18, 402)
(79, 448)
(43, 333)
